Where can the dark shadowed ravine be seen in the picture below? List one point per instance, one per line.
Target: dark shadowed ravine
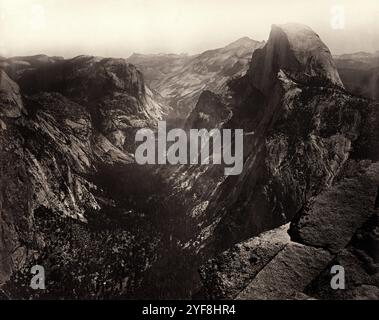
(74, 200)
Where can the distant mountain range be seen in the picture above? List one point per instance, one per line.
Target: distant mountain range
(360, 73)
(180, 79)
(73, 200)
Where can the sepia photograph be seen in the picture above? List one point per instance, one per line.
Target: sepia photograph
(198, 150)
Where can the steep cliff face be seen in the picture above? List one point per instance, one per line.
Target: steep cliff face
(210, 112)
(299, 52)
(338, 227)
(112, 90)
(298, 135)
(70, 198)
(10, 99)
(186, 77)
(60, 122)
(309, 163)
(15, 192)
(15, 196)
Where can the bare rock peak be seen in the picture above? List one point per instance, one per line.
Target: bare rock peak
(297, 50)
(243, 42)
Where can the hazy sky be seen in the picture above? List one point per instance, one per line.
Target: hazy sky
(119, 27)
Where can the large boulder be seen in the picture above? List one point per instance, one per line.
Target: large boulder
(332, 218)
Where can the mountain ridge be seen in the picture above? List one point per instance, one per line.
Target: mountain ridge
(69, 181)
(185, 78)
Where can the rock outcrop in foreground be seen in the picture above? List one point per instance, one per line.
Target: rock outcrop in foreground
(275, 265)
(299, 135)
(72, 200)
(313, 164)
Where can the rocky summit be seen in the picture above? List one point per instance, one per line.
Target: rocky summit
(73, 200)
(299, 52)
(180, 79)
(315, 174)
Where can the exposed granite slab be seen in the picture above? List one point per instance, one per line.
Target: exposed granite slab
(288, 274)
(229, 273)
(360, 260)
(333, 217)
(361, 281)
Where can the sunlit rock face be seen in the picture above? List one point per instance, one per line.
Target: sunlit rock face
(300, 125)
(337, 227)
(299, 52)
(183, 78)
(313, 163)
(300, 130)
(67, 131)
(60, 119)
